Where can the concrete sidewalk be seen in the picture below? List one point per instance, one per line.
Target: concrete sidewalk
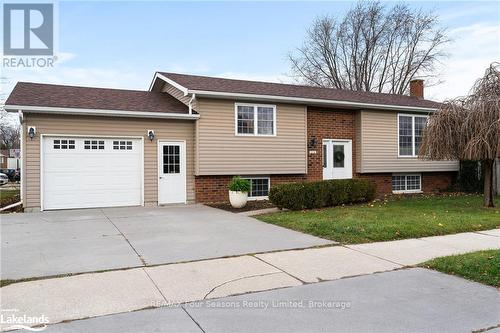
(409, 300)
(98, 294)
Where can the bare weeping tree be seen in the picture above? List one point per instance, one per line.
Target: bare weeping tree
(371, 49)
(468, 128)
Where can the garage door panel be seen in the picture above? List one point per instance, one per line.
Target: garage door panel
(96, 172)
(60, 199)
(63, 183)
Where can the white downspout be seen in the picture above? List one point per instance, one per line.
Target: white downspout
(21, 168)
(190, 104)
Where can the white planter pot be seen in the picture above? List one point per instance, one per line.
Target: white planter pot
(238, 199)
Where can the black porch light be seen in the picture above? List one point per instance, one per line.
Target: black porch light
(312, 142)
(151, 135)
(31, 132)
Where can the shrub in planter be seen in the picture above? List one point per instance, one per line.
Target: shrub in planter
(238, 192)
(296, 196)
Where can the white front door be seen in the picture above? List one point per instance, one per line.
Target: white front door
(171, 172)
(337, 159)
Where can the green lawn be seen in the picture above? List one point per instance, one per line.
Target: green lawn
(399, 218)
(482, 266)
(8, 197)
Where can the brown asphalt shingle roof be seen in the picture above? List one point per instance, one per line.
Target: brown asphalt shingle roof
(60, 96)
(193, 82)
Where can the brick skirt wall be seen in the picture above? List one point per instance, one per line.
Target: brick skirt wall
(437, 181)
(214, 188)
(431, 181)
(382, 180)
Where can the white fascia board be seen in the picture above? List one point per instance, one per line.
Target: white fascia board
(169, 81)
(326, 102)
(99, 112)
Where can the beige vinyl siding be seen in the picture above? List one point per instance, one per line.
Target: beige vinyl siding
(180, 130)
(173, 91)
(221, 152)
(379, 147)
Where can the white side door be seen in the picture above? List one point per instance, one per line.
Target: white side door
(337, 159)
(171, 172)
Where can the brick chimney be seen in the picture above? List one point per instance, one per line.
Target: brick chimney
(417, 88)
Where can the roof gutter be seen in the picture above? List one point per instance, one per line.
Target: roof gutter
(326, 102)
(99, 112)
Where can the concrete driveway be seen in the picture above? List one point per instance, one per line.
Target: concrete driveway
(74, 241)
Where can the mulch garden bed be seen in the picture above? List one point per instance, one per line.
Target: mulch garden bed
(251, 205)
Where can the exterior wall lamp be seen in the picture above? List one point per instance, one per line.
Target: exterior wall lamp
(31, 132)
(151, 135)
(312, 142)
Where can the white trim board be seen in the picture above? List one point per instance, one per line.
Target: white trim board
(169, 81)
(99, 112)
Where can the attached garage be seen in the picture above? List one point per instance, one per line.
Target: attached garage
(88, 147)
(86, 172)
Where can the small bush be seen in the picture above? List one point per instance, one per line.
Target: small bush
(327, 193)
(239, 184)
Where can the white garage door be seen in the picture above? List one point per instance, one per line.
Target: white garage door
(85, 172)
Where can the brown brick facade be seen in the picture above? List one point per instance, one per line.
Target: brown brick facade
(214, 188)
(431, 181)
(382, 180)
(437, 181)
(328, 124)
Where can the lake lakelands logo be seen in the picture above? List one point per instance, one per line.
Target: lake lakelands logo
(28, 35)
(10, 319)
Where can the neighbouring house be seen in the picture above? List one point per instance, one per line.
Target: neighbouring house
(183, 139)
(3, 161)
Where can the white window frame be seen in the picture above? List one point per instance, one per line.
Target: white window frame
(255, 120)
(266, 197)
(413, 116)
(406, 181)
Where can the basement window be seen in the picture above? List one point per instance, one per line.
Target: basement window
(259, 187)
(407, 183)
